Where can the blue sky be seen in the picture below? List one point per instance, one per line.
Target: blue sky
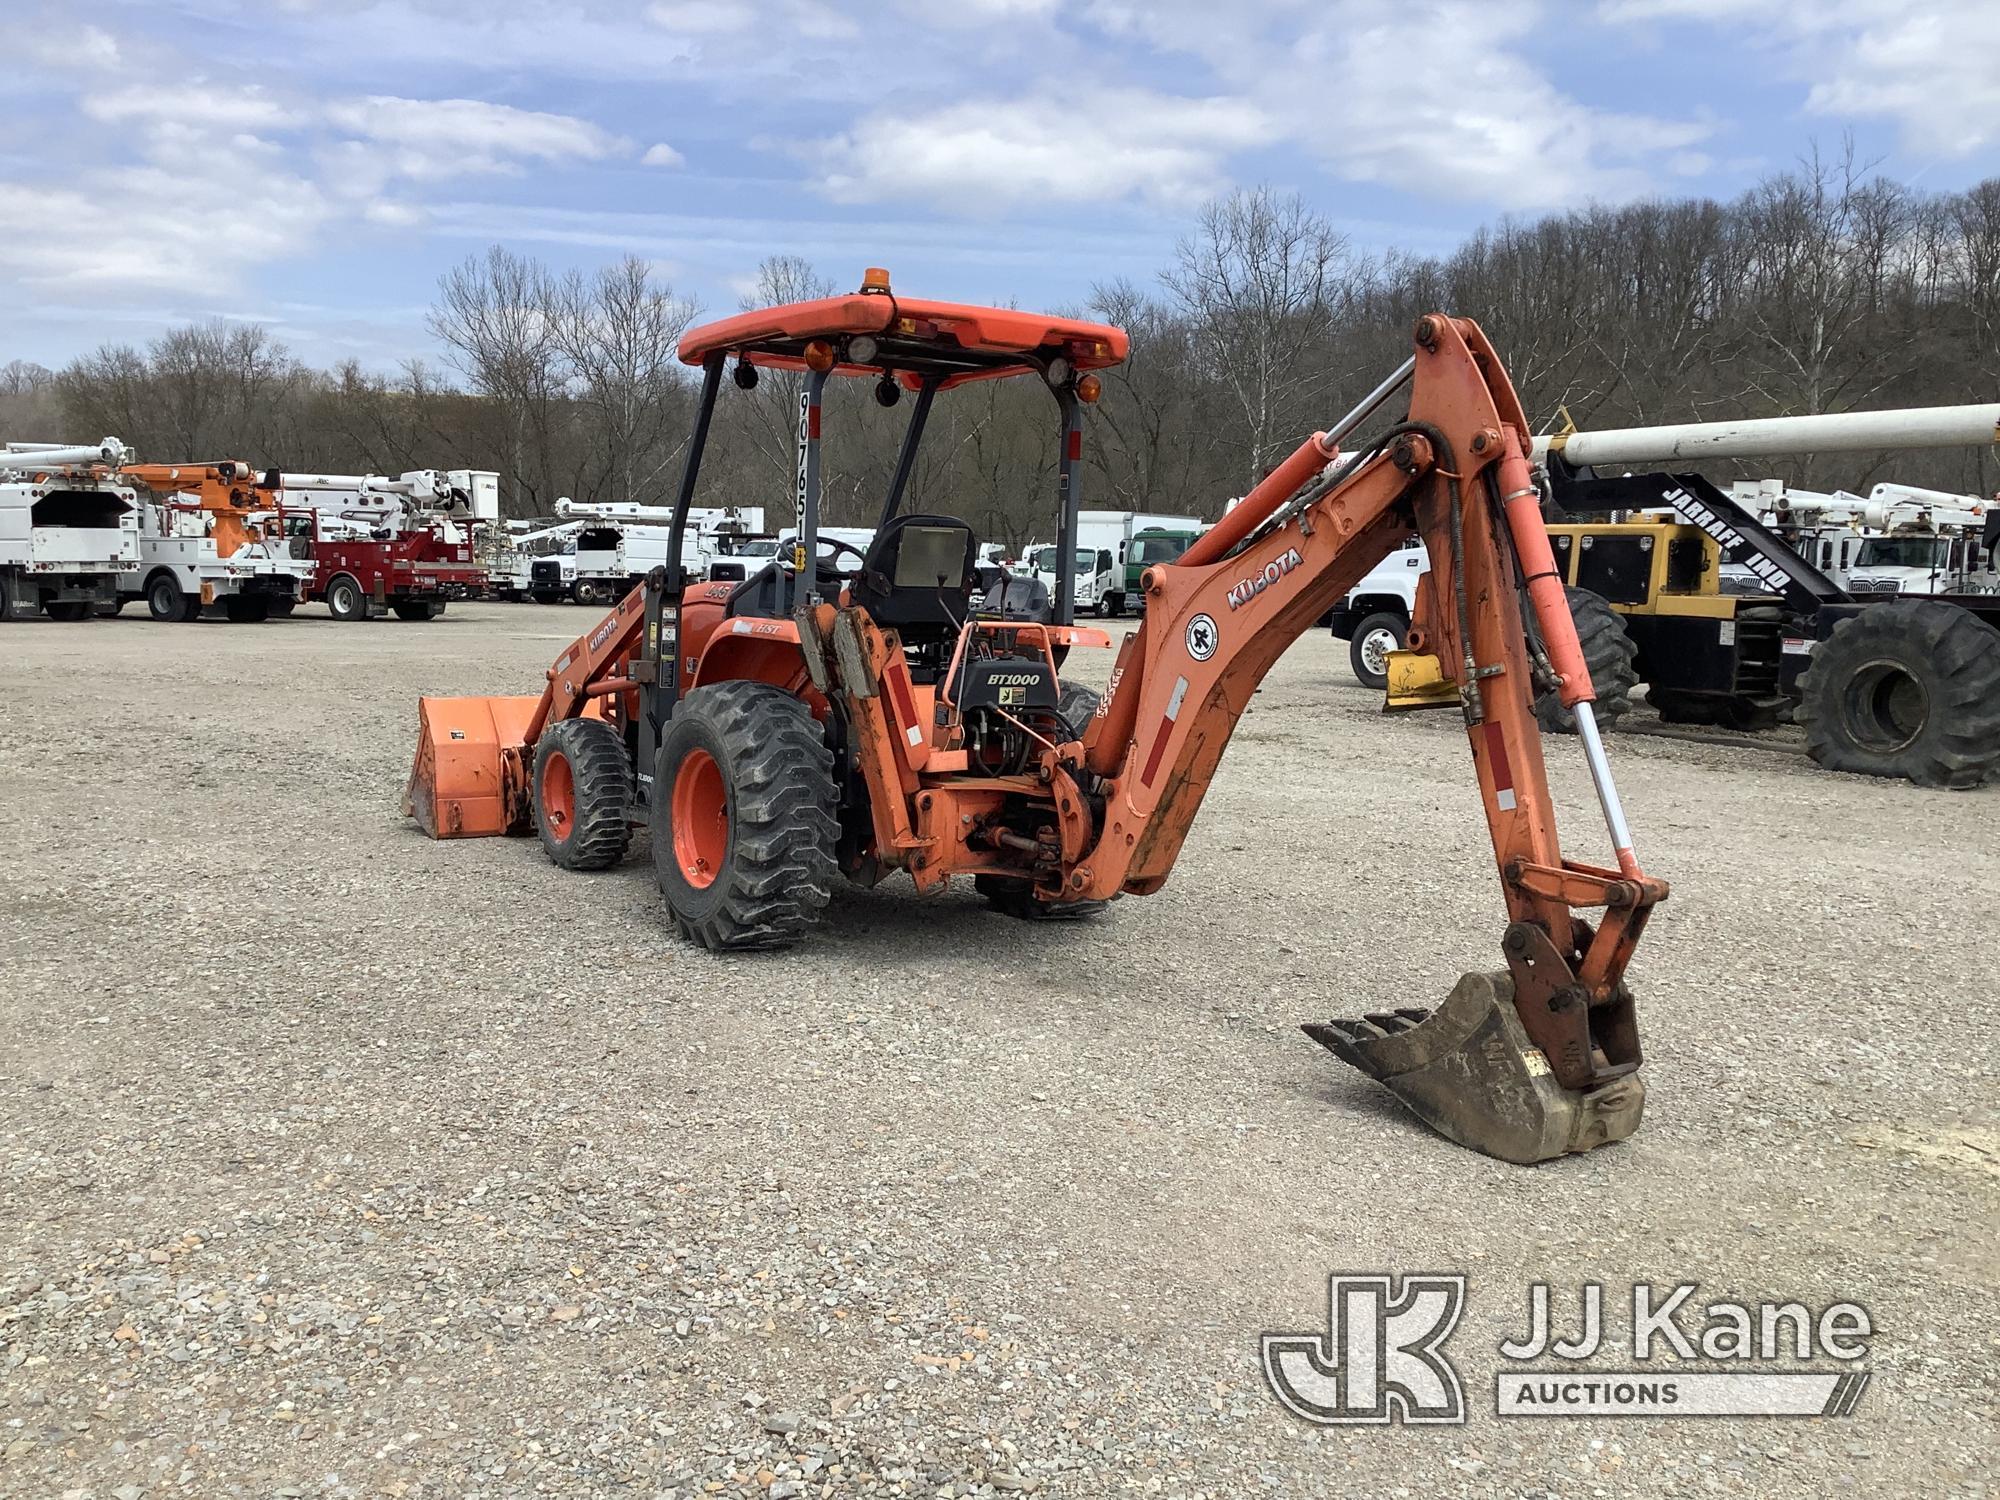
(314, 165)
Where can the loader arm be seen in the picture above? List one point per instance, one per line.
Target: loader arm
(1455, 474)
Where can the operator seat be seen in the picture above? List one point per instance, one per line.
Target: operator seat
(917, 577)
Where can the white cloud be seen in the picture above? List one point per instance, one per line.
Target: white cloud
(991, 156)
(279, 169)
(434, 138)
(661, 154)
(199, 103)
(1928, 69)
(1469, 115)
(701, 16)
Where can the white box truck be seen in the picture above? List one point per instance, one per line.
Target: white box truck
(1104, 541)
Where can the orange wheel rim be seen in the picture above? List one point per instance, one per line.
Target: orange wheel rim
(701, 819)
(558, 794)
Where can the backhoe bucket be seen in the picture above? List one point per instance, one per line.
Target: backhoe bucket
(1468, 1070)
(467, 781)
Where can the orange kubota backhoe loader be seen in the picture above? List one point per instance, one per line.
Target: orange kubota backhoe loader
(858, 714)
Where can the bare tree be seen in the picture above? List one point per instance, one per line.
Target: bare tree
(620, 333)
(1261, 281)
(494, 313)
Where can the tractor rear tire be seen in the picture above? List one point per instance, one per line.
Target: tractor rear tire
(1608, 653)
(743, 816)
(1369, 646)
(416, 609)
(1909, 688)
(583, 794)
(1077, 705)
(70, 611)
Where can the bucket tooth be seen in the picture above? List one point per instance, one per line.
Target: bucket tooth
(1468, 1070)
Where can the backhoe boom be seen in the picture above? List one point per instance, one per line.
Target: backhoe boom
(1454, 473)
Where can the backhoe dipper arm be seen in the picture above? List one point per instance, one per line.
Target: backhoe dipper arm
(1455, 474)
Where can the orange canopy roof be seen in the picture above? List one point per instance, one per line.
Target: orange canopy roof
(953, 341)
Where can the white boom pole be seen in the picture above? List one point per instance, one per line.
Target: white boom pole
(1762, 437)
(55, 455)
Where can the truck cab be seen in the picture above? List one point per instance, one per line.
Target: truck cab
(1095, 572)
(1374, 618)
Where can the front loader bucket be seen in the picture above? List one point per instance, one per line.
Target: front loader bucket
(467, 781)
(1468, 1070)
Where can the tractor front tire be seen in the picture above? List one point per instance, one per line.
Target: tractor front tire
(583, 794)
(1077, 705)
(1014, 896)
(1909, 689)
(1369, 647)
(1609, 653)
(743, 817)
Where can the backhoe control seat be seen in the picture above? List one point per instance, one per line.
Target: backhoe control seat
(918, 576)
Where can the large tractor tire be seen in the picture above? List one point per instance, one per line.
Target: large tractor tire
(582, 794)
(1077, 705)
(1609, 653)
(743, 817)
(1369, 647)
(1909, 688)
(70, 611)
(346, 599)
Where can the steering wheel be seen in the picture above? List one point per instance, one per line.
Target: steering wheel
(838, 546)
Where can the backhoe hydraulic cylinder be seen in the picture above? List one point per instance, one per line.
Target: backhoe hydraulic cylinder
(1338, 432)
(1272, 491)
(1523, 505)
(1607, 789)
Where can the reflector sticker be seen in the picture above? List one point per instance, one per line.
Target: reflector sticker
(1503, 770)
(899, 689)
(1165, 731)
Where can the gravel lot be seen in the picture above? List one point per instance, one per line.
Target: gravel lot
(338, 1162)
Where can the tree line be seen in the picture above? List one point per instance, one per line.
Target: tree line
(1823, 289)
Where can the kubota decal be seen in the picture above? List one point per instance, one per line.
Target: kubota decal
(1254, 585)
